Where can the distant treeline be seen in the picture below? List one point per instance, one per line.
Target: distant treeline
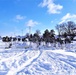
(66, 33)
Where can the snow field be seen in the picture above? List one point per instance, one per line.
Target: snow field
(46, 60)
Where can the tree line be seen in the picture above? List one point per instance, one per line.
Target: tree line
(65, 30)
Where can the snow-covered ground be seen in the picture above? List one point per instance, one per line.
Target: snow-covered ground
(22, 59)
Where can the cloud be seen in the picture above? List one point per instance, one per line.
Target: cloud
(51, 6)
(32, 23)
(19, 18)
(68, 17)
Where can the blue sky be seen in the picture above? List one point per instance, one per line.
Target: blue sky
(17, 15)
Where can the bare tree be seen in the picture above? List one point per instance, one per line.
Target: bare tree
(70, 26)
(66, 27)
(58, 27)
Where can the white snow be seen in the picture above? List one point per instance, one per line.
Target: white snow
(26, 59)
(13, 70)
(63, 52)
